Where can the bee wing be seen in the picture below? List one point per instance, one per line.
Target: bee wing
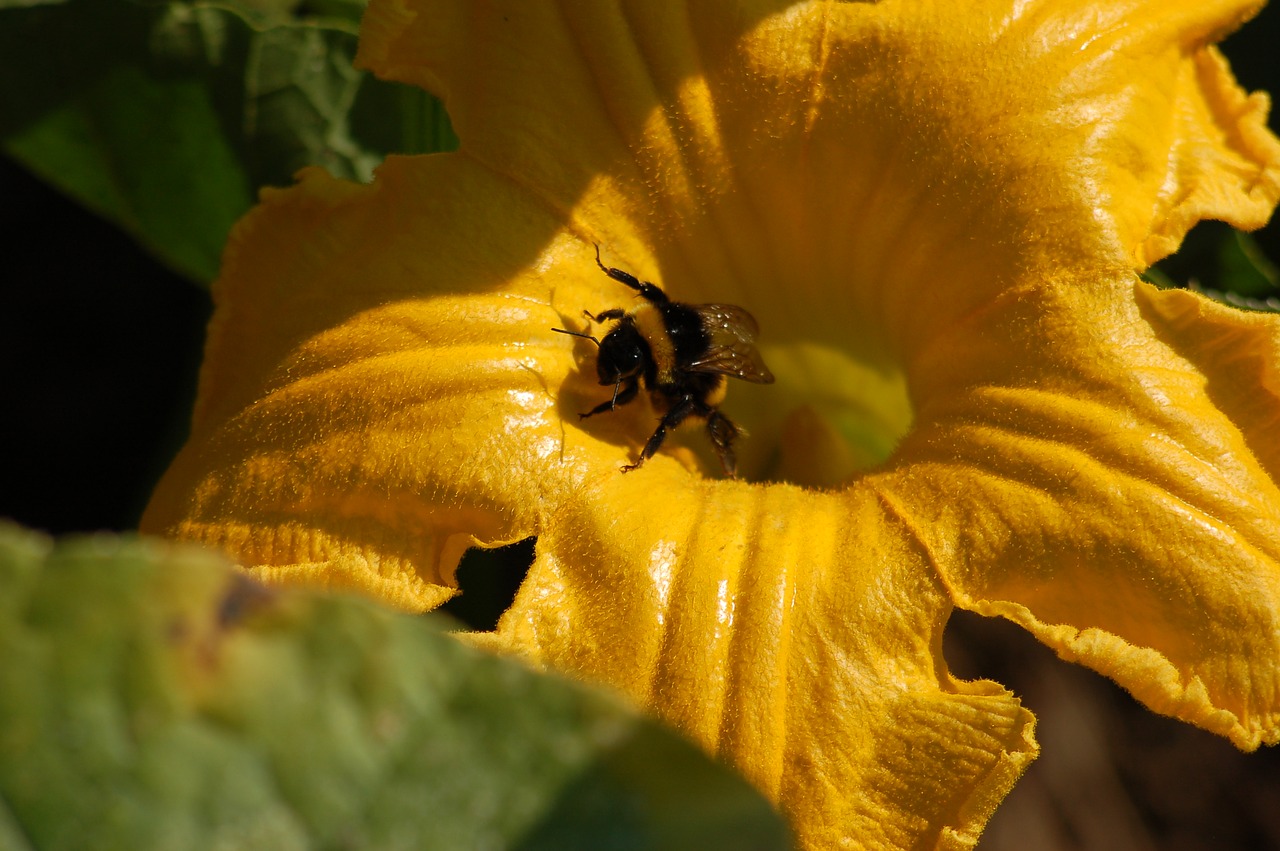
(732, 350)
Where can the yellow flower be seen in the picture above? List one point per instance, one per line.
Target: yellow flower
(937, 211)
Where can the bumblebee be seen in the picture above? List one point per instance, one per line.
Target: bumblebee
(682, 354)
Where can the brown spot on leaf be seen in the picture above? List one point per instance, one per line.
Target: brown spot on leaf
(244, 597)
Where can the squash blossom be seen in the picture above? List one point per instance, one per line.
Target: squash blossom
(938, 212)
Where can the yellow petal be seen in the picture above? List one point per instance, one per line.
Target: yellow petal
(1113, 488)
(798, 636)
(380, 389)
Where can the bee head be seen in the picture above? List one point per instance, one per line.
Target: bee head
(623, 354)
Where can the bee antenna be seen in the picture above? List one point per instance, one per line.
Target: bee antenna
(577, 334)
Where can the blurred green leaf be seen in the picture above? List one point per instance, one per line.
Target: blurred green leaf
(153, 698)
(263, 14)
(169, 124)
(1223, 264)
(1156, 275)
(348, 9)
(143, 150)
(1246, 271)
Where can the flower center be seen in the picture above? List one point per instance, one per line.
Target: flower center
(831, 415)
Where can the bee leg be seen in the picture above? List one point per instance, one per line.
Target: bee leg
(723, 433)
(605, 315)
(629, 391)
(649, 291)
(617, 274)
(678, 414)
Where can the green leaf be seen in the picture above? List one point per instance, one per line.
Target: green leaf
(263, 14)
(169, 124)
(142, 150)
(153, 698)
(1245, 270)
(351, 10)
(1158, 276)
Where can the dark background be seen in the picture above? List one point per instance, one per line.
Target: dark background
(99, 351)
